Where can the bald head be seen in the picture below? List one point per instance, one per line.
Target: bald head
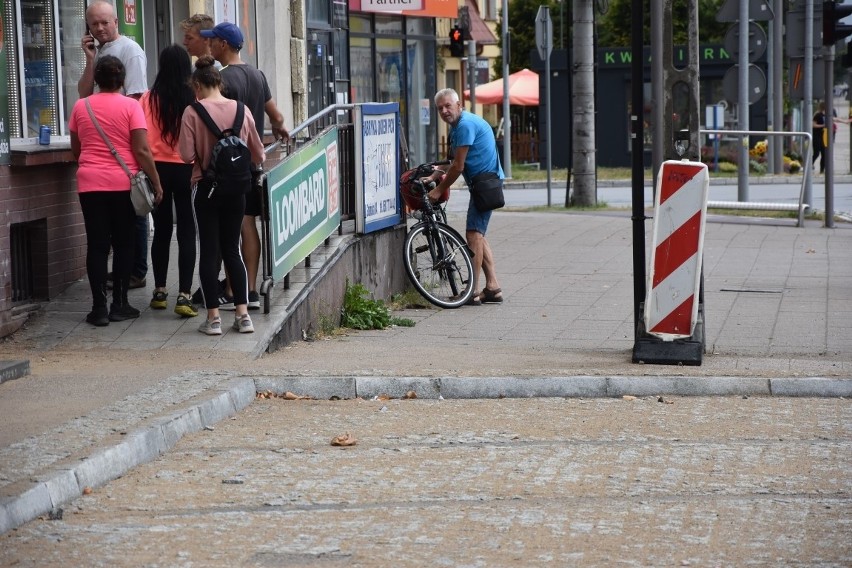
(102, 21)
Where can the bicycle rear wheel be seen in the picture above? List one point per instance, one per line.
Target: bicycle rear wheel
(439, 265)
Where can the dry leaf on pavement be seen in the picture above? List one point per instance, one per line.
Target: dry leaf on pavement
(346, 439)
(628, 397)
(410, 394)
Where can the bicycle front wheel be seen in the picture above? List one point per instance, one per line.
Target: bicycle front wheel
(439, 265)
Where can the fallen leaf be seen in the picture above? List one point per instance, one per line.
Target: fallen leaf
(346, 439)
(292, 396)
(87, 491)
(383, 396)
(410, 394)
(661, 399)
(628, 397)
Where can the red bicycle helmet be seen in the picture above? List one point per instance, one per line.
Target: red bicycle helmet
(413, 195)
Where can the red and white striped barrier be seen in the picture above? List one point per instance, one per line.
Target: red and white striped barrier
(680, 210)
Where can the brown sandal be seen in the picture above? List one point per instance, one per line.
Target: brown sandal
(491, 296)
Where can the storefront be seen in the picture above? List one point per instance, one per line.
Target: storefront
(393, 58)
(42, 238)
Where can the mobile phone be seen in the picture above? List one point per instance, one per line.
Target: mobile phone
(88, 31)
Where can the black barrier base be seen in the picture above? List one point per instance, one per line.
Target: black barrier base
(652, 349)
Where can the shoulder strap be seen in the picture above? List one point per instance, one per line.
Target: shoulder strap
(238, 119)
(112, 149)
(207, 119)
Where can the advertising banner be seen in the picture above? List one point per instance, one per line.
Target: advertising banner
(377, 150)
(304, 202)
(130, 20)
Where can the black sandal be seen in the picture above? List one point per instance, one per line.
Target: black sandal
(491, 296)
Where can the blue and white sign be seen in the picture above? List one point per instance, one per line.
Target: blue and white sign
(377, 150)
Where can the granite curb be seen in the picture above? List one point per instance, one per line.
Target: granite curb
(49, 491)
(63, 483)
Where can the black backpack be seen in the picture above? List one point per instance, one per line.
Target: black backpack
(230, 161)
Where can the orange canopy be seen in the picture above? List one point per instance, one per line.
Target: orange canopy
(523, 90)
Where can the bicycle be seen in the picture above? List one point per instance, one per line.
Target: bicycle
(437, 258)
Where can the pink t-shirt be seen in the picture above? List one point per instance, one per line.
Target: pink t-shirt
(118, 115)
(159, 147)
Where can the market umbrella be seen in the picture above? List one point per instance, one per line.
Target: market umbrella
(523, 90)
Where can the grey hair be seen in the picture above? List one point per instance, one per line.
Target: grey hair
(454, 96)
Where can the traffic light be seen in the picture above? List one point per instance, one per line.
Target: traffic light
(457, 42)
(832, 29)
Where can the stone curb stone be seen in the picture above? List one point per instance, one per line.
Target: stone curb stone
(687, 386)
(138, 446)
(11, 370)
(812, 386)
(318, 388)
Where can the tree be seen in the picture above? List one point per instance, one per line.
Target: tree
(522, 15)
(613, 27)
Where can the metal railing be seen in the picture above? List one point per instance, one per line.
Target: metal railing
(767, 205)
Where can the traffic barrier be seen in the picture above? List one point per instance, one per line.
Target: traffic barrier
(674, 278)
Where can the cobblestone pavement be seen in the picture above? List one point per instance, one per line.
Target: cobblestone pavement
(695, 481)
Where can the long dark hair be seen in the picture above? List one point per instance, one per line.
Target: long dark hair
(171, 92)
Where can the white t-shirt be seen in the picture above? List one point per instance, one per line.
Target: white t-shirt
(134, 60)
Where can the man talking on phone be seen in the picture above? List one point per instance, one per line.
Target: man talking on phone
(102, 38)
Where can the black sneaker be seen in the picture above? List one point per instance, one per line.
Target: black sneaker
(253, 300)
(226, 303)
(98, 316)
(122, 312)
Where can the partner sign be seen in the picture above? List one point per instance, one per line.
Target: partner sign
(377, 181)
(304, 202)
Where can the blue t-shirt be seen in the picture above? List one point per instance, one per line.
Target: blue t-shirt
(471, 130)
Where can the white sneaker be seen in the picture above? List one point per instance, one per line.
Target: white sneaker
(243, 324)
(211, 327)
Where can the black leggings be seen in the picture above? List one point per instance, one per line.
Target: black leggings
(110, 222)
(218, 219)
(175, 179)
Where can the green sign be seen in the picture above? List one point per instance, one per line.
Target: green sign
(304, 202)
(129, 14)
(609, 57)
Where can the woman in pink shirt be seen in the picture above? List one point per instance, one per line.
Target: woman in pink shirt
(104, 187)
(218, 214)
(164, 105)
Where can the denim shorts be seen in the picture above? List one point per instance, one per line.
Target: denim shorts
(477, 220)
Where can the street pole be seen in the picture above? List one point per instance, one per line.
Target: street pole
(471, 70)
(637, 161)
(742, 105)
(828, 153)
(507, 123)
(807, 119)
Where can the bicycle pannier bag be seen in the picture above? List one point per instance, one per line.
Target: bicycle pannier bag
(141, 193)
(487, 191)
(230, 168)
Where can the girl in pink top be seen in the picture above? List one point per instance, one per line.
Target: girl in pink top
(104, 187)
(164, 105)
(218, 215)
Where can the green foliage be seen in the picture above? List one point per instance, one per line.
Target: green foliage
(522, 15)
(361, 311)
(613, 28)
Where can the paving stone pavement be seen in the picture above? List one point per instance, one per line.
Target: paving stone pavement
(682, 481)
(779, 301)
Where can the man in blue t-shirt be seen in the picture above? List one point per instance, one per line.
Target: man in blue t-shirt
(473, 152)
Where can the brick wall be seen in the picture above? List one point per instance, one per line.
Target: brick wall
(45, 197)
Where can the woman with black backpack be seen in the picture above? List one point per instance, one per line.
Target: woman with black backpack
(219, 203)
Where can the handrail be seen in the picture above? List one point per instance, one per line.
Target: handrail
(806, 166)
(327, 110)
